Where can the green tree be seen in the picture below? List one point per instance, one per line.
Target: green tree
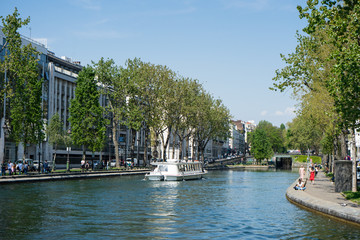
(212, 122)
(275, 136)
(334, 29)
(55, 133)
(187, 93)
(23, 84)
(114, 89)
(260, 145)
(88, 125)
(134, 117)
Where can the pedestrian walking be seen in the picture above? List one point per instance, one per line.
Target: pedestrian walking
(312, 175)
(20, 167)
(46, 167)
(13, 168)
(3, 169)
(82, 164)
(302, 172)
(9, 167)
(26, 167)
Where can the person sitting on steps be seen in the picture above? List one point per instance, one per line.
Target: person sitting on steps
(300, 185)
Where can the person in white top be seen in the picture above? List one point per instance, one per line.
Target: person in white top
(82, 165)
(300, 185)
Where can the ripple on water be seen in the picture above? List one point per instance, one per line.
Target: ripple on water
(226, 205)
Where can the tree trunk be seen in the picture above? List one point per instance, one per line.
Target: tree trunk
(343, 145)
(353, 158)
(116, 144)
(187, 148)
(199, 152)
(174, 142)
(133, 136)
(53, 165)
(145, 159)
(193, 149)
(154, 147)
(332, 162)
(165, 143)
(138, 147)
(181, 148)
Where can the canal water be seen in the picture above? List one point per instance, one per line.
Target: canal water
(225, 205)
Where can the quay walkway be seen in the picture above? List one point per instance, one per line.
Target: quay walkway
(34, 177)
(322, 198)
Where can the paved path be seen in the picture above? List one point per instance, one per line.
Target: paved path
(321, 197)
(67, 176)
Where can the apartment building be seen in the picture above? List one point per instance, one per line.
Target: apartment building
(60, 74)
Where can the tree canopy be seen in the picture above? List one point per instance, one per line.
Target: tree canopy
(22, 84)
(324, 73)
(87, 121)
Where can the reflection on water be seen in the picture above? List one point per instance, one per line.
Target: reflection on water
(225, 205)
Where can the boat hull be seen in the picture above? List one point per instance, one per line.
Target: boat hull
(176, 170)
(184, 177)
(154, 177)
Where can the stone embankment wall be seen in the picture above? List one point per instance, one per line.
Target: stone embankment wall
(343, 179)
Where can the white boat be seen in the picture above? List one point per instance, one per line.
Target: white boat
(176, 170)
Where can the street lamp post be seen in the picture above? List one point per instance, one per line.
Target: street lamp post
(4, 127)
(109, 149)
(39, 168)
(137, 148)
(68, 149)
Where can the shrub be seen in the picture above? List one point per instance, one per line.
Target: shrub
(303, 158)
(353, 196)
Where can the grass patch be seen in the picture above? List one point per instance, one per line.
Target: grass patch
(303, 158)
(352, 196)
(120, 168)
(64, 170)
(329, 174)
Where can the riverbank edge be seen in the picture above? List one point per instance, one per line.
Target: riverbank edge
(67, 176)
(320, 206)
(260, 167)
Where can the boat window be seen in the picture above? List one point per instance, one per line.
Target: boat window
(163, 168)
(182, 167)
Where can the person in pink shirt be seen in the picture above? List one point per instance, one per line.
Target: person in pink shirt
(302, 173)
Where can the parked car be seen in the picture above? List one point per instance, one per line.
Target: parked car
(97, 164)
(36, 165)
(113, 163)
(129, 161)
(30, 162)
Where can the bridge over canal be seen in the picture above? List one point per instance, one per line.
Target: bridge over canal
(279, 161)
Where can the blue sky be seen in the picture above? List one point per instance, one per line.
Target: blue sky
(231, 46)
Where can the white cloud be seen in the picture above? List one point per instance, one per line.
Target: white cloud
(279, 113)
(264, 113)
(289, 111)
